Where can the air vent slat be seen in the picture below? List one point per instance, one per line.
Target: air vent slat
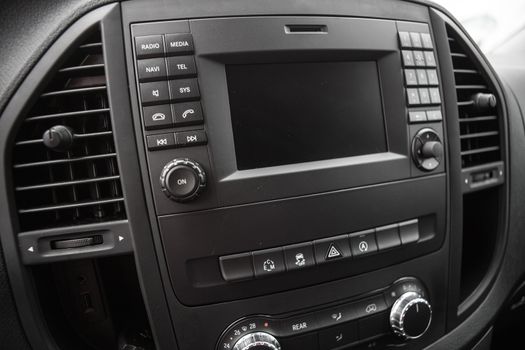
(479, 124)
(73, 177)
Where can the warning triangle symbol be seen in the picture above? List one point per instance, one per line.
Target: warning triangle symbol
(333, 252)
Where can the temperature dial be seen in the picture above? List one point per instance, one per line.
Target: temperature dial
(410, 316)
(182, 180)
(427, 149)
(257, 341)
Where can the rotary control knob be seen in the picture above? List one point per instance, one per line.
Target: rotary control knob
(427, 149)
(182, 180)
(410, 316)
(257, 341)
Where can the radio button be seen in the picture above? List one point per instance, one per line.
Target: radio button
(177, 44)
(427, 41)
(410, 77)
(154, 93)
(149, 46)
(268, 262)
(191, 138)
(409, 231)
(404, 40)
(408, 58)
(363, 243)
(181, 66)
(184, 89)
(387, 237)
(236, 267)
(160, 141)
(187, 113)
(416, 40)
(332, 249)
(151, 69)
(299, 256)
(413, 97)
(157, 117)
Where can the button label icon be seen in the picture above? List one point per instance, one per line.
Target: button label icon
(181, 66)
(187, 112)
(299, 326)
(269, 265)
(191, 138)
(182, 43)
(300, 259)
(153, 69)
(158, 117)
(339, 337)
(363, 247)
(182, 182)
(371, 308)
(162, 142)
(333, 252)
(155, 93)
(337, 316)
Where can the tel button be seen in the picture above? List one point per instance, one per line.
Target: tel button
(157, 117)
(177, 44)
(149, 46)
(160, 141)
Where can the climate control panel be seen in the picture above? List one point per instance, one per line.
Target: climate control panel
(397, 314)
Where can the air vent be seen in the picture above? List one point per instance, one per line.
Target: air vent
(78, 182)
(479, 122)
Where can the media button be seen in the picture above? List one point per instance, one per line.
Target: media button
(268, 262)
(187, 113)
(332, 249)
(299, 256)
(191, 138)
(149, 46)
(160, 141)
(154, 93)
(157, 117)
(151, 69)
(184, 89)
(177, 44)
(363, 243)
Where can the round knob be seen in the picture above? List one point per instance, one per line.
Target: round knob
(257, 341)
(58, 138)
(182, 180)
(410, 316)
(427, 149)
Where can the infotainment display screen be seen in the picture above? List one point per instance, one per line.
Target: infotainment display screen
(286, 113)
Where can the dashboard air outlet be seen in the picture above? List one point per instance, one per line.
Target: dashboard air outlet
(64, 161)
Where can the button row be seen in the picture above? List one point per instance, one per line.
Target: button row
(160, 45)
(418, 58)
(299, 256)
(425, 116)
(421, 77)
(415, 40)
(160, 92)
(423, 96)
(179, 114)
(165, 68)
(177, 139)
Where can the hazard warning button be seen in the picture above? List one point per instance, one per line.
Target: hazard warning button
(332, 249)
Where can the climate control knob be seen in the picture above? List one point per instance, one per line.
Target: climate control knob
(410, 316)
(182, 180)
(427, 149)
(257, 341)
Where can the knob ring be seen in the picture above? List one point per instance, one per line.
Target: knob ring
(397, 321)
(252, 340)
(171, 166)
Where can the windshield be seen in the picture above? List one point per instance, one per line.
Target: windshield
(488, 22)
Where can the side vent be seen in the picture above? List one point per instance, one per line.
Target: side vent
(64, 161)
(479, 119)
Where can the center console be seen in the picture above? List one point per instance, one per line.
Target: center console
(298, 172)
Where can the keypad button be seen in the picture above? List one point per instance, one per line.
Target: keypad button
(184, 89)
(299, 256)
(427, 41)
(419, 58)
(178, 44)
(413, 97)
(160, 141)
(435, 97)
(187, 113)
(268, 262)
(181, 66)
(191, 138)
(408, 58)
(432, 77)
(404, 40)
(410, 77)
(416, 40)
(417, 116)
(434, 116)
(154, 93)
(157, 117)
(424, 96)
(149, 46)
(363, 243)
(151, 69)
(422, 77)
(430, 59)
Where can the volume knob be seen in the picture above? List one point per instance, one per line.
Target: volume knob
(182, 180)
(257, 341)
(410, 316)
